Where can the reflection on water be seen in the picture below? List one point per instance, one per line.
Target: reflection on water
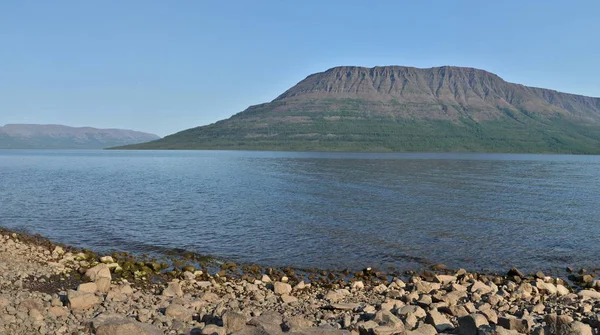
(324, 210)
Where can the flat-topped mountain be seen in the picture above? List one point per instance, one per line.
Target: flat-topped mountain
(396, 108)
(38, 136)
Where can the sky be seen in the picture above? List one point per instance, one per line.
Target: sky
(165, 66)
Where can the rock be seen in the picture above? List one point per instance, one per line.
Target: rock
(390, 320)
(547, 287)
(269, 321)
(282, 288)
(423, 329)
(233, 321)
(247, 330)
(173, 290)
(58, 312)
(87, 288)
(539, 308)
(359, 285)
(412, 310)
(113, 324)
(523, 325)
(490, 315)
(452, 298)
(98, 271)
(336, 295)
(561, 290)
(496, 330)
(178, 312)
(300, 286)
(296, 322)
(458, 311)
(514, 272)
(438, 320)
(445, 279)
(36, 315)
(345, 307)
(126, 289)
(320, 331)
(577, 328)
(209, 297)
(103, 284)
(107, 259)
(469, 325)
(564, 325)
(81, 300)
(288, 299)
(588, 294)
(426, 287)
(480, 288)
(265, 279)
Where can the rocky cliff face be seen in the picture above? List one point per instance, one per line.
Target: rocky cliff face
(455, 91)
(34, 136)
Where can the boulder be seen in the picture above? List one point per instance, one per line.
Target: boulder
(87, 288)
(438, 320)
(58, 312)
(523, 325)
(103, 284)
(107, 259)
(412, 310)
(445, 279)
(469, 325)
(588, 294)
(336, 295)
(178, 312)
(113, 324)
(423, 329)
(173, 290)
(390, 320)
(233, 321)
(282, 288)
(296, 322)
(98, 271)
(269, 321)
(81, 300)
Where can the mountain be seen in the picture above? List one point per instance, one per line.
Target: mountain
(396, 108)
(38, 136)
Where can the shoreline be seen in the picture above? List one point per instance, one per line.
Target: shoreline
(50, 288)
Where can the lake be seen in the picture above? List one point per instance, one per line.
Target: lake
(319, 210)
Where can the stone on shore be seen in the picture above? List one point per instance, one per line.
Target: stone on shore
(470, 324)
(178, 312)
(173, 289)
(82, 300)
(589, 294)
(114, 324)
(438, 320)
(282, 288)
(233, 321)
(98, 271)
(87, 288)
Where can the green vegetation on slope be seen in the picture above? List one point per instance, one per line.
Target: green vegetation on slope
(385, 134)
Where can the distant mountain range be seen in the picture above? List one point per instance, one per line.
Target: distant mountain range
(396, 108)
(38, 136)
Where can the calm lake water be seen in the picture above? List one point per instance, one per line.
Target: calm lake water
(319, 210)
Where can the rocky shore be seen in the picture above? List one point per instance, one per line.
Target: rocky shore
(51, 289)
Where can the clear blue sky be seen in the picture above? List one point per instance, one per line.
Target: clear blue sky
(164, 66)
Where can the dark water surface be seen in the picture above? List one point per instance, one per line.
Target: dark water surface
(323, 210)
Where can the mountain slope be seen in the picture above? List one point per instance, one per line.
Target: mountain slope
(35, 136)
(397, 108)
